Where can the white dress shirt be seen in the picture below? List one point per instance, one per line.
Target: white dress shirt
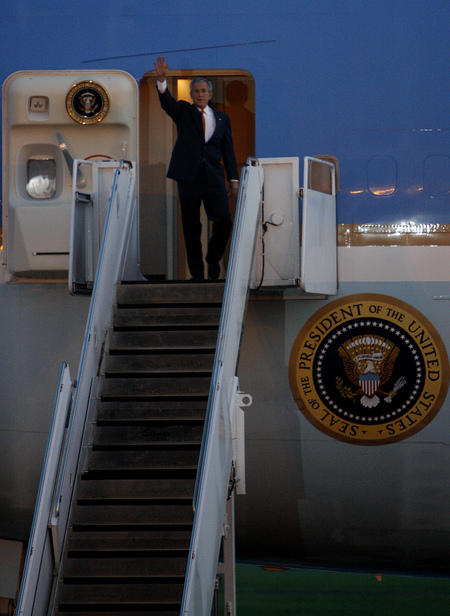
(210, 122)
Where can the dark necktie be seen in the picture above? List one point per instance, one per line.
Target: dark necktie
(203, 122)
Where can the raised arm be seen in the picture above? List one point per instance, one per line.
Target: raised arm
(161, 68)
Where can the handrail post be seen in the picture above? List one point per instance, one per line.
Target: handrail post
(217, 447)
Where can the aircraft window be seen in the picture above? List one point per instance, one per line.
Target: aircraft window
(320, 176)
(382, 176)
(41, 178)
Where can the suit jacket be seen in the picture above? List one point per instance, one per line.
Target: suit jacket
(191, 151)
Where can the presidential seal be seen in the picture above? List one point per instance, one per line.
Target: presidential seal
(369, 370)
(87, 102)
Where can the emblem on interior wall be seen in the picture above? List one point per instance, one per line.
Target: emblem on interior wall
(369, 369)
(87, 102)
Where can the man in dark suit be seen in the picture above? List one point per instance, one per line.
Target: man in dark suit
(204, 140)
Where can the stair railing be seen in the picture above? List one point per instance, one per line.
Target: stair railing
(50, 522)
(216, 453)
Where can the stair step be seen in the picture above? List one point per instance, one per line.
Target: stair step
(166, 293)
(172, 316)
(120, 594)
(162, 341)
(163, 538)
(138, 410)
(145, 565)
(144, 460)
(102, 489)
(165, 387)
(177, 364)
(133, 514)
(176, 433)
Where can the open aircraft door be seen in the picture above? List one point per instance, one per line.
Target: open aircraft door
(277, 260)
(51, 118)
(319, 238)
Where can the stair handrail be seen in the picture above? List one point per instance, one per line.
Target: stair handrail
(211, 490)
(119, 228)
(39, 552)
(117, 235)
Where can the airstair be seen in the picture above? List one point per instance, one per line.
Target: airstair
(143, 451)
(132, 504)
(132, 516)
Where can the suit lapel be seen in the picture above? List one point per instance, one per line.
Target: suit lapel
(219, 123)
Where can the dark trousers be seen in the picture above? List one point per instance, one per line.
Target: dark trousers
(215, 201)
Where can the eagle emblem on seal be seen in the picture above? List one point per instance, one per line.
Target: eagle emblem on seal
(369, 364)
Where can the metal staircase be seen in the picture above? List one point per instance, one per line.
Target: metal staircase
(132, 503)
(131, 520)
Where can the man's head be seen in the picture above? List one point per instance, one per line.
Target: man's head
(201, 91)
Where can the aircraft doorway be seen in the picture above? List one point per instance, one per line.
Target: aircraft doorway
(161, 238)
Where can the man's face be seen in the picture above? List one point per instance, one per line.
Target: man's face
(201, 95)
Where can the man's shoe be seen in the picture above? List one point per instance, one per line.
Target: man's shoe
(213, 271)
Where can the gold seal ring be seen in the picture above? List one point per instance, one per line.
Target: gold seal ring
(87, 102)
(369, 369)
